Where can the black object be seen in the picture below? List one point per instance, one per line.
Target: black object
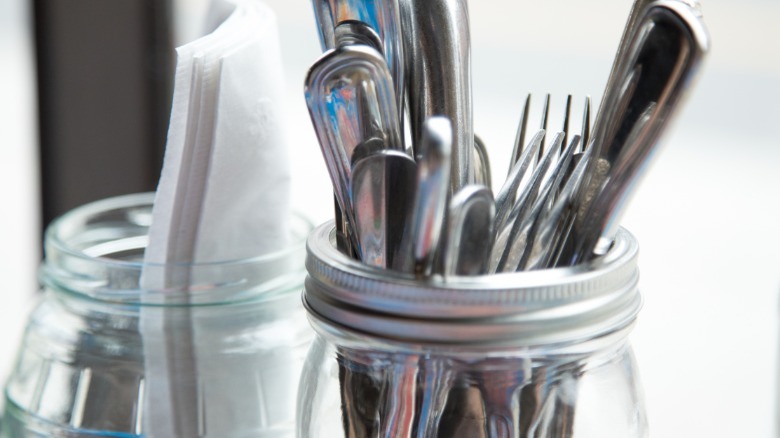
(104, 84)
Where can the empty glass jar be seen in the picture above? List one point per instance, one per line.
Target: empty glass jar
(101, 353)
(534, 354)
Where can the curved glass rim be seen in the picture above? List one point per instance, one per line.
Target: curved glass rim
(53, 237)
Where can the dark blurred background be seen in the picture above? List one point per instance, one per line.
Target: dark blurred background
(104, 77)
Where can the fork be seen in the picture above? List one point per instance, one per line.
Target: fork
(533, 201)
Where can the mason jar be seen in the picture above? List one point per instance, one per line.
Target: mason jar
(531, 354)
(102, 354)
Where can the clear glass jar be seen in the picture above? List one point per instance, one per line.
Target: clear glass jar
(84, 367)
(535, 354)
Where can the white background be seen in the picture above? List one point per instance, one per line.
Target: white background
(707, 214)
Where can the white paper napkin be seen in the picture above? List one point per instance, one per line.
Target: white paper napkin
(223, 195)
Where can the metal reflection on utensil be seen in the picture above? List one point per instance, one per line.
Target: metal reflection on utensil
(438, 57)
(437, 378)
(502, 255)
(666, 49)
(532, 246)
(470, 231)
(381, 16)
(546, 245)
(522, 127)
(382, 195)
(350, 98)
(482, 173)
(427, 217)
(353, 32)
(508, 193)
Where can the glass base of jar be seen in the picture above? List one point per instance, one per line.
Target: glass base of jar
(89, 377)
(347, 392)
(17, 423)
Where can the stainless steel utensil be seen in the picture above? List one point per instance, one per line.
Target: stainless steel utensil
(666, 49)
(559, 206)
(433, 172)
(543, 126)
(383, 190)
(517, 149)
(438, 59)
(349, 94)
(482, 173)
(505, 250)
(470, 231)
(380, 15)
(508, 193)
(353, 32)
(533, 247)
(516, 217)
(546, 246)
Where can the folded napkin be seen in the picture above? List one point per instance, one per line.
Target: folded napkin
(223, 195)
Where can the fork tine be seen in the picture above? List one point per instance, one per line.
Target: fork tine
(545, 112)
(524, 204)
(505, 198)
(567, 113)
(553, 159)
(520, 136)
(545, 116)
(585, 134)
(544, 204)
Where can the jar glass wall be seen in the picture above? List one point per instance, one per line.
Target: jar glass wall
(99, 347)
(535, 354)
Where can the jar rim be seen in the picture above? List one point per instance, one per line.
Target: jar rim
(56, 237)
(529, 308)
(96, 251)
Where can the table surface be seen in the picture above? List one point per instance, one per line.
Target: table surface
(706, 215)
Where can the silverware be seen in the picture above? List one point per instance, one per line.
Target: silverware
(632, 24)
(546, 246)
(383, 191)
(382, 16)
(517, 150)
(360, 388)
(535, 244)
(350, 98)
(560, 204)
(504, 252)
(665, 51)
(365, 148)
(437, 379)
(517, 176)
(400, 404)
(482, 173)
(470, 231)
(539, 186)
(427, 219)
(354, 32)
(438, 59)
